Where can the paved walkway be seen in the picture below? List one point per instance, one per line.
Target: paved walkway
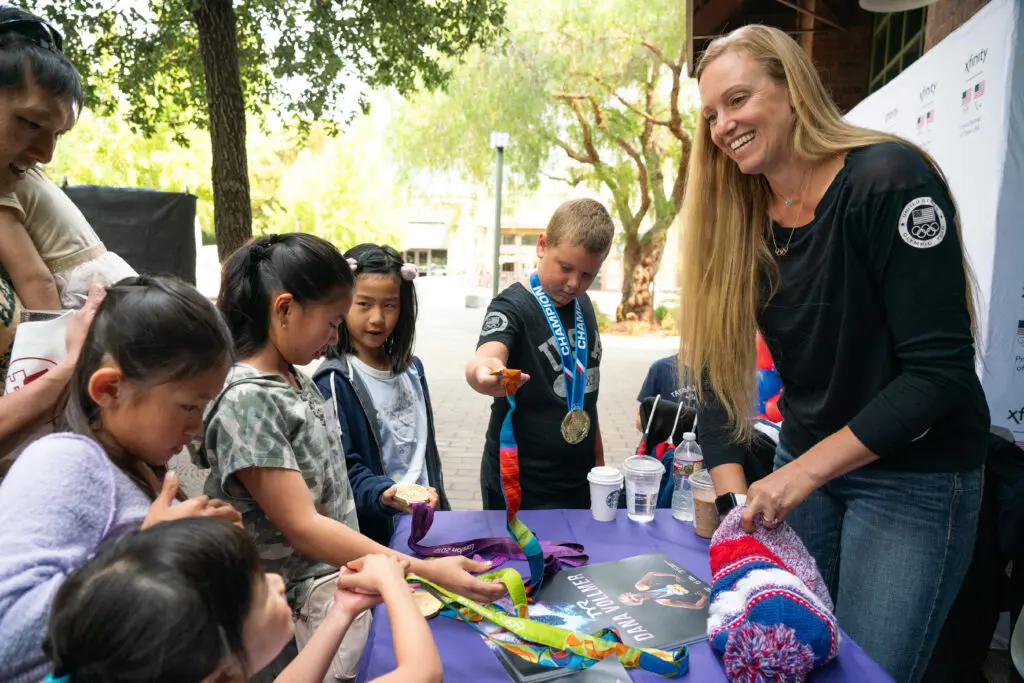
(446, 338)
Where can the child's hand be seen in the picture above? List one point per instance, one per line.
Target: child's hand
(490, 380)
(388, 498)
(351, 601)
(164, 510)
(454, 574)
(369, 575)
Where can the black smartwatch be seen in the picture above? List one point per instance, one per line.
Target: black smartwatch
(727, 501)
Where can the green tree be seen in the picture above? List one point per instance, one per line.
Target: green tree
(290, 191)
(592, 91)
(106, 151)
(205, 63)
(353, 203)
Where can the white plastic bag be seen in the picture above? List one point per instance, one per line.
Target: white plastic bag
(39, 345)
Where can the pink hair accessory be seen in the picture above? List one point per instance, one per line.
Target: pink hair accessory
(352, 263)
(409, 271)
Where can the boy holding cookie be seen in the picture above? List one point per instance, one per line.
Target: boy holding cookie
(546, 327)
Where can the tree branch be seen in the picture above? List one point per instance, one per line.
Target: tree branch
(570, 152)
(573, 99)
(656, 51)
(629, 105)
(572, 180)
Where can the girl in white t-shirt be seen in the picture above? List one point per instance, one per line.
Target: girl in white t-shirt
(381, 394)
(67, 244)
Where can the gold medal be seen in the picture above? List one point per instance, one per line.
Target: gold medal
(407, 494)
(575, 426)
(428, 604)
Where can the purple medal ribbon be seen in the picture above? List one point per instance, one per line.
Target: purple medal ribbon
(497, 549)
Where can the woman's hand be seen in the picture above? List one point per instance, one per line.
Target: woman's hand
(81, 320)
(785, 488)
(163, 508)
(453, 573)
(778, 493)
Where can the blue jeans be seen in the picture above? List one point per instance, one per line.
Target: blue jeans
(893, 548)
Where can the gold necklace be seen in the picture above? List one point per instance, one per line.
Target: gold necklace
(782, 251)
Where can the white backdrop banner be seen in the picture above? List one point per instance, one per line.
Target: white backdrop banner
(963, 102)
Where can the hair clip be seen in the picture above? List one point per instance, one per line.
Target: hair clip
(409, 271)
(352, 263)
(50, 678)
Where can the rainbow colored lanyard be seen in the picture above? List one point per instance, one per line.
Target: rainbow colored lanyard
(537, 642)
(508, 460)
(549, 645)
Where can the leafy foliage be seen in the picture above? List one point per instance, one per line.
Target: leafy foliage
(591, 91)
(290, 191)
(306, 60)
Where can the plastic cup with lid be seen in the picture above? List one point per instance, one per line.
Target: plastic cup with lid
(605, 483)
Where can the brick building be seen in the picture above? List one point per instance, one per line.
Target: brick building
(857, 51)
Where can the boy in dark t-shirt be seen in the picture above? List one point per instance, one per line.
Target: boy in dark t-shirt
(532, 326)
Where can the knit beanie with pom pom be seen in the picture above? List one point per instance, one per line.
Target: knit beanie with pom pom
(770, 614)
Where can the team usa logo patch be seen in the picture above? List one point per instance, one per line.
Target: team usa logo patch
(922, 223)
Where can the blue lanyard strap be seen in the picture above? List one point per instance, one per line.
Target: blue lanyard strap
(574, 361)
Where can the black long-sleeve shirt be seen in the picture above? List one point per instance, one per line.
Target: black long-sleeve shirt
(869, 327)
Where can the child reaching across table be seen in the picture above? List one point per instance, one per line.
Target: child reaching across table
(273, 443)
(380, 393)
(155, 354)
(547, 328)
(190, 602)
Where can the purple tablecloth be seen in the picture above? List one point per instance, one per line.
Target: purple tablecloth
(467, 658)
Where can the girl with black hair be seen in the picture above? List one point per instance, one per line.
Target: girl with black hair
(156, 353)
(273, 443)
(380, 392)
(190, 602)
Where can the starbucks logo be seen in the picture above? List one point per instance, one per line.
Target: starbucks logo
(612, 499)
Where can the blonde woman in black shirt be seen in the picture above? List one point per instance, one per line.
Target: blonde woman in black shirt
(842, 246)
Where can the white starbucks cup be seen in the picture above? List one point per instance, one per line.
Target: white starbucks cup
(605, 483)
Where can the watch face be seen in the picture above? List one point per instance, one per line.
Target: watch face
(725, 503)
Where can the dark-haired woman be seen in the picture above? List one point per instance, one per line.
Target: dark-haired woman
(40, 95)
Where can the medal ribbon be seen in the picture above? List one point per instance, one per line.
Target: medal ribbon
(508, 462)
(550, 645)
(575, 369)
(497, 549)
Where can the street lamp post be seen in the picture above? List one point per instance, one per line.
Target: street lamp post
(499, 141)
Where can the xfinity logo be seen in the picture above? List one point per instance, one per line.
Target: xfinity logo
(890, 115)
(928, 91)
(976, 59)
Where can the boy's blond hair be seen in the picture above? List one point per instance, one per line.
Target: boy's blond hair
(583, 222)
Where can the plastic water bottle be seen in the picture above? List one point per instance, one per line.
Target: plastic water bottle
(687, 460)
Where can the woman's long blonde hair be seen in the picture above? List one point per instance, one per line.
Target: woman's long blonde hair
(726, 224)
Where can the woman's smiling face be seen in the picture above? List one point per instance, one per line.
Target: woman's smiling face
(748, 113)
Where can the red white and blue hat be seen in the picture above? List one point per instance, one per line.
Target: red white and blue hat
(770, 613)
